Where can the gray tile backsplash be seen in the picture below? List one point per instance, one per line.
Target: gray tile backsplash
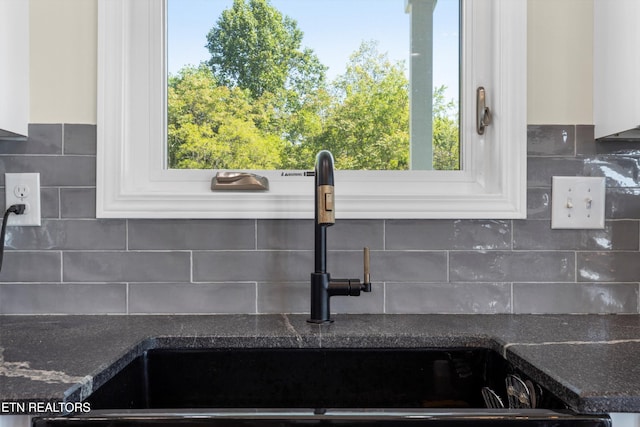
(191, 235)
(447, 235)
(551, 140)
(512, 266)
(77, 264)
(126, 266)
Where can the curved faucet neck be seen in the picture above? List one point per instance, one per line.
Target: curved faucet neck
(324, 168)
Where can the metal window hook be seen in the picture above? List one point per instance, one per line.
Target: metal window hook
(483, 113)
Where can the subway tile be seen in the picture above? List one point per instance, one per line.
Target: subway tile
(539, 203)
(284, 297)
(578, 298)
(585, 140)
(80, 139)
(551, 140)
(299, 234)
(258, 266)
(49, 202)
(540, 170)
(504, 266)
(78, 202)
(30, 267)
(195, 298)
(43, 139)
(619, 171)
(538, 235)
(196, 234)
(350, 264)
(58, 234)
(447, 234)
(354, 234)
(618, 148)
(403, 266)
(290, 234)
(622, 203)
(75, 171)
(63, 298)
(450, 298)
(608, 266)
(126, 266)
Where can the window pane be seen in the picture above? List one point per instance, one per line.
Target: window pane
(258, 84)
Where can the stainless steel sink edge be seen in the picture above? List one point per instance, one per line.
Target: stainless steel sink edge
(329, 413)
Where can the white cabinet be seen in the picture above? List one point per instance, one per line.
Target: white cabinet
(616, 62)
(14, 68)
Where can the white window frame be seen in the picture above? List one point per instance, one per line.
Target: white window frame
(133, 183)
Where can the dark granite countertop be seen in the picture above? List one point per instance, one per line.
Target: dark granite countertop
(592, 362)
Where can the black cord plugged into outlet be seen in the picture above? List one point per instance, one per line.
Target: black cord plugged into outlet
(16, 209)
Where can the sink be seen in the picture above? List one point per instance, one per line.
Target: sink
(304, 378)
(312, 387)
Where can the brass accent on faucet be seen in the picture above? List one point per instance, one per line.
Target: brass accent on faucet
(367, 275)
(326, 207)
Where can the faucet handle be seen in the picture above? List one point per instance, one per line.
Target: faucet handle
(366, 283)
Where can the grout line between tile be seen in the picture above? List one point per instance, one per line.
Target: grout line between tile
(61, 266)
(512, 300)
(191, 267)
(126, 299)
(256, 298)
(255, 234)
(62, 142)
(384, 234)
(59, 202)
(384, 297)
(512, 236)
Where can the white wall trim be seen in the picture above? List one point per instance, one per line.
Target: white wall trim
(131, 181)
(14, 72)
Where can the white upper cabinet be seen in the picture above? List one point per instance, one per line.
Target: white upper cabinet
(14, 72)
(616, 61)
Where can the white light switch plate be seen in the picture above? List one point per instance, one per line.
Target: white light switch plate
(577, 202)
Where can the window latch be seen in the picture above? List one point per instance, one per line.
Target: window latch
(483, 113)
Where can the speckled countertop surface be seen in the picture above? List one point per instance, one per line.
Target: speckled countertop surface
(592, 362)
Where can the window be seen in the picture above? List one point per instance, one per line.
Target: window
(133, 182)
(263, 84)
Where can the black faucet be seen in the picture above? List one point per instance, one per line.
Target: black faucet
(322, 286)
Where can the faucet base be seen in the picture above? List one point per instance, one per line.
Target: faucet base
(320, 321)
(320, 312)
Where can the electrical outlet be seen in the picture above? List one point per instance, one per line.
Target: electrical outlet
(23, 188)
(577, 202)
